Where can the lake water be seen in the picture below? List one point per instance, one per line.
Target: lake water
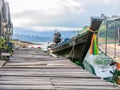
(44, 36)
(101, 64)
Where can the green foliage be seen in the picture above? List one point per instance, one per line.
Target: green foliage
(103, 16)
(85, 27)
(102, 28)
(112, 28)
(3, 45)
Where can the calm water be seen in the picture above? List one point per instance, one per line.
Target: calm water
(101, 64)
(44, 36)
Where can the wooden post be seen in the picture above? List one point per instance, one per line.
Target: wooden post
(0, 21)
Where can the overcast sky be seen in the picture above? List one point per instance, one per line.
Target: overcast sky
(44, 15)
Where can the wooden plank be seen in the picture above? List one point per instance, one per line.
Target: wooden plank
(27, 87)
(35, 69)
(2, 62)
(5, 54)
(86, 88)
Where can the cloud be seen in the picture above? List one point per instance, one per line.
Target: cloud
(46, 6)
(49, 28)
(45, 12)
(64, 14)
(72, 6)
(107, 1)
(91, 2)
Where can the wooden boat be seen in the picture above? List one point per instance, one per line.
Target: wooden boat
(77, 47)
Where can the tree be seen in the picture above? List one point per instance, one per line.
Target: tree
(103, 16)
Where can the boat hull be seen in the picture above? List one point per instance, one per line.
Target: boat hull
(74, 49)
(77, 47)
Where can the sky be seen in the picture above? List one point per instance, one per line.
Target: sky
(43, 15)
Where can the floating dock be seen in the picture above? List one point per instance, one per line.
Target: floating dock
(31, 69)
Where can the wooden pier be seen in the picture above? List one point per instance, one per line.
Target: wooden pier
(31, 69)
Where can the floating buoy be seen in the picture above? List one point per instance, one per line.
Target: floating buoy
(39, 47)
(32, 47)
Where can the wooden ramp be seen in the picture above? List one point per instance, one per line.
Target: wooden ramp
(31, 69)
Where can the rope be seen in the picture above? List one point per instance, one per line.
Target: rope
(95, 52)
(72, 50)
(93, 31)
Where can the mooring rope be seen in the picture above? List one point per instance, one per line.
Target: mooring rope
(72, 50)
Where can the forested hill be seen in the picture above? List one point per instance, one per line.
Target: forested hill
(37, 36)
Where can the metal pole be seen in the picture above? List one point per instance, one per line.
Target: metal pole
(118, 36)
(0, 21)
(0, 16)
(115, 39)
(106, 37)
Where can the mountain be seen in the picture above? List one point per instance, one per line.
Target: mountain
(38, 36)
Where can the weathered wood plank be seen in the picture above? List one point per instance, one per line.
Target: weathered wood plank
(86, 88)
(27, 87)
(30, 69)
(2, 62)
